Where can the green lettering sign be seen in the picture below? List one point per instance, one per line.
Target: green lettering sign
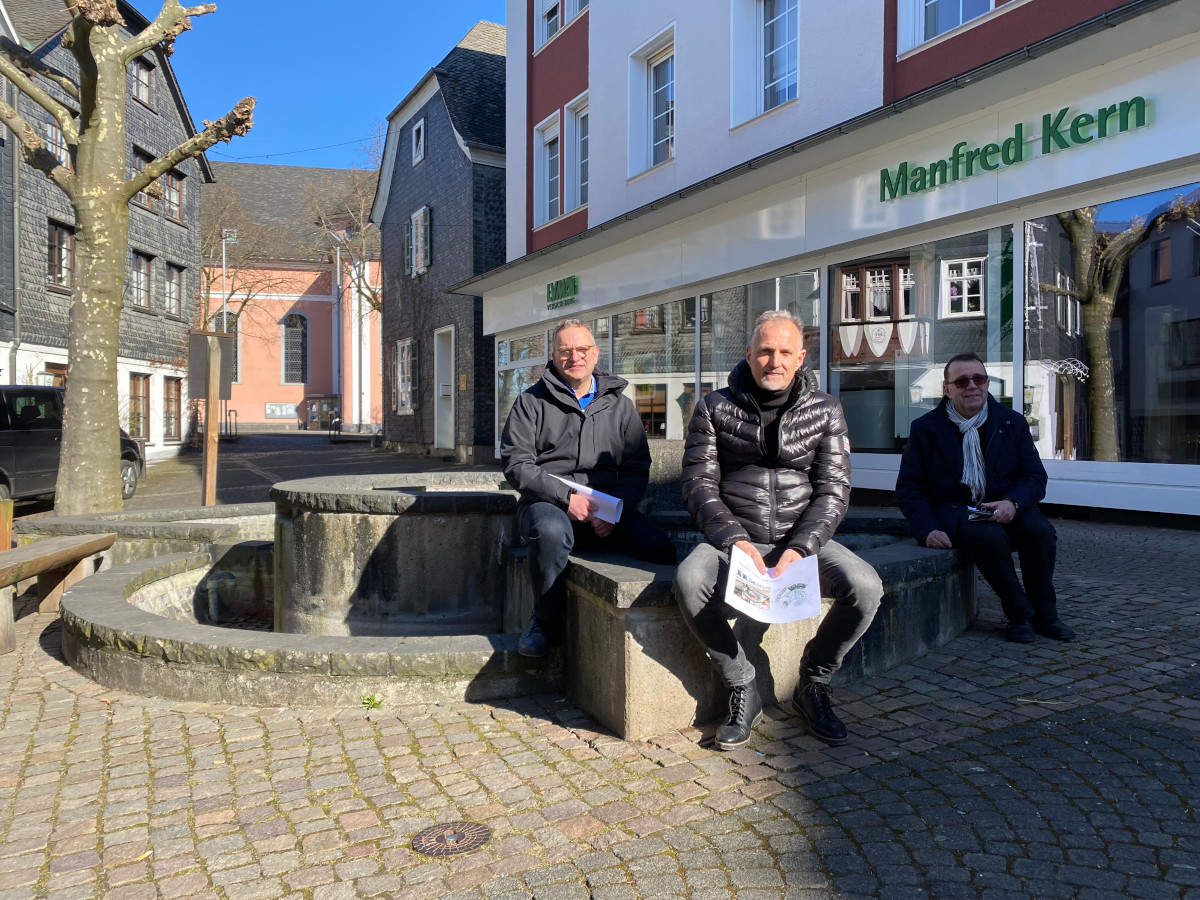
(563, 292)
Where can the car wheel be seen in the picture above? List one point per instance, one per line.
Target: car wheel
(128, 479)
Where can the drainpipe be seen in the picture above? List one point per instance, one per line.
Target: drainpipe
(337, 344)
(16, 250)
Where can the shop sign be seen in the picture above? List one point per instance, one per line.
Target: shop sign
(563, 292)
(1060, 131)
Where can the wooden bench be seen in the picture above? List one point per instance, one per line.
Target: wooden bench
(57, 563)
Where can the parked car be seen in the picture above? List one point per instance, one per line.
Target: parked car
(31, 440)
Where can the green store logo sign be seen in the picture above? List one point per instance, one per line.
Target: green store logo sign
(1058, 133)
(563, 292)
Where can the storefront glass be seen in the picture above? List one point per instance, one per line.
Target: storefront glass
(898, 317)
(654, 349)
(1112, 330)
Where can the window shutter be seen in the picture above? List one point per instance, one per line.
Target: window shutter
(427, 239)
(408, 247)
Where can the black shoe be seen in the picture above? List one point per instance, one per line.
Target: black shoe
(1058, 630)
(537, 639)
(745, 711)
(811, 702)
(1020, 633)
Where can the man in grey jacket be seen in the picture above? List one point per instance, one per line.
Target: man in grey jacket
(577, 424)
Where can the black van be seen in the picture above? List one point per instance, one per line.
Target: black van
(31, 438)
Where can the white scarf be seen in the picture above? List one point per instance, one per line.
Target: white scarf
(973, 472)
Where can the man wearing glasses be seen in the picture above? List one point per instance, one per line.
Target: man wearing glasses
(577, 424)
(971, 478)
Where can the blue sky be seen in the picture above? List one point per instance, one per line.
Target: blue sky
(323, 73)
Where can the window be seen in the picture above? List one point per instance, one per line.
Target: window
(172, 408)
(56, 141)
(295, 349)
(174, 305)
(962, 287)
(923, 20)
(662, 107)
(550, 20)
(61, 262)
(576, 165)
(140, 161)
(547, 172)
(779, 52)
(1195, 253)
(173, 196)
(418, 141)
(143, 74)
(139, 280)
(139, 406)
(552, 178)
(418, 242)
(581, 159)
(908, 287)
(1160, 261)
(406, 380)
(227, 323)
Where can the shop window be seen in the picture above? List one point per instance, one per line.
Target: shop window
(1127, 392)
(406, 378)
(780, 46)
(650, 400)
(902, 316)
(1195, 252)
(61, 255)
(295, 349)
(962, 287)
(138, 288)
(139, 406)
(1160, 261)
(172, 408)
(520, 361)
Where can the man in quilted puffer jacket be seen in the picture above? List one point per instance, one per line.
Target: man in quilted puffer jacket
(766, 468)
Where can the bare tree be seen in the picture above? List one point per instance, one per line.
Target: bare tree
(1100, 259)
(343, 215)
(95, 180)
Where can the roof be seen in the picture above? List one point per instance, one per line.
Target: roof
(287, 202)
(471, 78)
(37, 21)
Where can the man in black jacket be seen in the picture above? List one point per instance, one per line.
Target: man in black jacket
(766, 468)
(577, 424)
(973, 453)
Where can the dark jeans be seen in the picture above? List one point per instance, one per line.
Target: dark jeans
(990, 545)
(551, 535)
(853, 584)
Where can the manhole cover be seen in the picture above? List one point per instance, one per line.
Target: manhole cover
(451, 838)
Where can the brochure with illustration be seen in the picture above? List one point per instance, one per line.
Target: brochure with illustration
(608, 507)
(796, 594)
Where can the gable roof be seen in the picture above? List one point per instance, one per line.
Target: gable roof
(280, 199)
(38, 21)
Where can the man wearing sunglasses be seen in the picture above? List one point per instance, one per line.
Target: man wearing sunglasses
(971, 478)
(575, 423)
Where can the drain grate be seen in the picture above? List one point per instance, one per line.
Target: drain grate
(451, 838)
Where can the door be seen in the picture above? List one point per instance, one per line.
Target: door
(443, 380)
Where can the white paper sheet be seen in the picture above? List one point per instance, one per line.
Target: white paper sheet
(608, 507)
(796, 594)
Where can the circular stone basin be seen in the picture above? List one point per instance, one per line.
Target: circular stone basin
(392, 555)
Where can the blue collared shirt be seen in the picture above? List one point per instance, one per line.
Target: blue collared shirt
(589, 396)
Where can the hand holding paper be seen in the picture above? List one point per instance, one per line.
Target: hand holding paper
(607, 507)
(793, 594)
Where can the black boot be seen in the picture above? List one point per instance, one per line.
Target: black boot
(538, 638)
(745, 711)
(811, 702)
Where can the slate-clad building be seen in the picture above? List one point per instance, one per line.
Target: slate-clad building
(440, 209)
(37, 240)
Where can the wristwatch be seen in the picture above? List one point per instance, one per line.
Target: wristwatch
(1016, 505)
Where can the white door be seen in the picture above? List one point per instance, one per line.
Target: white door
(443, 377)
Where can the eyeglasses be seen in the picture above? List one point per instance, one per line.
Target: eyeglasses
(963, 380)
(571, 352)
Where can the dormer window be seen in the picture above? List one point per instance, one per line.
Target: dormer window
(418, 142)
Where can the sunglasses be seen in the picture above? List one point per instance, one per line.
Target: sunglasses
(963, 380)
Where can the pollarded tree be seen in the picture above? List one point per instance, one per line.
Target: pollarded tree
(96, 183)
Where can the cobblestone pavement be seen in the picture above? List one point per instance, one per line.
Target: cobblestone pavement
(986, 770)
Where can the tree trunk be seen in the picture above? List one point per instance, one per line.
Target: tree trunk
(89, 476)
(1102, 395)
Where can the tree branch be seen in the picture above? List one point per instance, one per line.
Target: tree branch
(236, 122)
(30, 64)
(171, 21)
(33, 148)
(26, 85)
(98, 13)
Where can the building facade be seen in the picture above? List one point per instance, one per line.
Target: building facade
(440, 211)
(290, 273)
(37, 240)
(1013, 178)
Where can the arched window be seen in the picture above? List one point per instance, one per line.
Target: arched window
(295, 349)
(227, 323)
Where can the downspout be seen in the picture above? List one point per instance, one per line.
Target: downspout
(16, 248)
(337, 344)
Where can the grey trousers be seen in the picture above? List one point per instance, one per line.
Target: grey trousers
(853, 584)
